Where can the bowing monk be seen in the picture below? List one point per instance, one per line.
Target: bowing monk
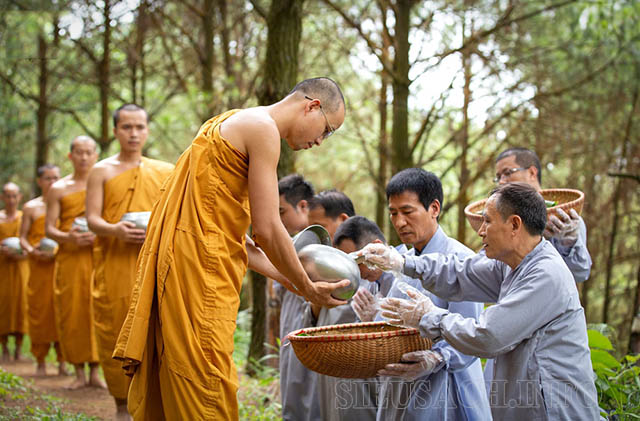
(125, 182)
(41, 318)
(177, 339)
(15, 274)
(74, 264)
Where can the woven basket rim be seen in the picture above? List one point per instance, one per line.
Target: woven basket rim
(292, 336)
(572, 202)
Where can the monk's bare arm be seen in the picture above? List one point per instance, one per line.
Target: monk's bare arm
(125, 231)
(25, 226)
(263, 144)
(52, 200)
(260, 263)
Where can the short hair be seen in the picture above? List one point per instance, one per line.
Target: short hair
(334, 203)
(425, 184)
(82, 138)
(360, 230)
(295, 188)
(324, 89)
(42, 168)
(127, 107)
(523, 200)
(524, 157)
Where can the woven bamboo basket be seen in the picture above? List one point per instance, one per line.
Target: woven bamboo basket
(354, 350)
(566, 199)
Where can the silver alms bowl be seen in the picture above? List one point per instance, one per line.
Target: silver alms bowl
(81, 222)
(141, 219)
(48, 245)
(324, 263)
(313, 234)
(13, 244)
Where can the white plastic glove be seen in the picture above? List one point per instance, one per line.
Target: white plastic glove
(414, 365)
(365, 305)
(565, 227)
(381, 256)
(401, 312)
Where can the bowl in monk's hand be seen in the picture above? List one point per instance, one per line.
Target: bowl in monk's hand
(140, 219)
(313, 234)
(324, 263)
(48, 245)
(81, 223)
(13, 245)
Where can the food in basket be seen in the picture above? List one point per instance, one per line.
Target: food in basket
(324, 263)
(354, 350)
(550, 203)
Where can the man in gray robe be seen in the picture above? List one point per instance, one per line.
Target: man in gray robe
(536, 331)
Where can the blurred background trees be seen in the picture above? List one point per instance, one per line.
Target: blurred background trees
(444, 84)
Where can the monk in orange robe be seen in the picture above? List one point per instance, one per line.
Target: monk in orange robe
(41, 318)
(126, 182)
(15, 274)
(177, 339)
(74, 264)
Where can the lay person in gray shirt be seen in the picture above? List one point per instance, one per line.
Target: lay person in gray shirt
(536, 331)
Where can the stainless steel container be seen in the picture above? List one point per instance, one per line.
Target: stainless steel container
(13, 244)
(140, 219)
(324, 263)
(81, 222)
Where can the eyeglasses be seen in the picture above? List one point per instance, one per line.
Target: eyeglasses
(507, 173)
(331, 130)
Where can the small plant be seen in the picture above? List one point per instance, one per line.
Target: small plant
(617, 381)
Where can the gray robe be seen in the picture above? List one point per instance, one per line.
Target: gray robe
(536, 331)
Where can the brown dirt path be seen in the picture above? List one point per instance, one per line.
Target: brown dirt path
(88, 400)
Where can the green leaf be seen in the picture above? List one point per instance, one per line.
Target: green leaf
(603, 357)
(598, 340)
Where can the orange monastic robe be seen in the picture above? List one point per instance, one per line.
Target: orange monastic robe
(14, 275)
(177, 339)
(42, 326)
(134, 190)
(72, 289)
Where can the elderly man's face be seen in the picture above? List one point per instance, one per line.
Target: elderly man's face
(509, 171)
(497, 240)
(414, 224)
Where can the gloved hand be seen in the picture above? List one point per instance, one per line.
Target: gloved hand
(565, 228)
(401, 312)
(365, 305)
(414, 365)
(381, 256)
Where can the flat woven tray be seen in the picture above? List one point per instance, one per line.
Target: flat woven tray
(566, 199)
(354, 350)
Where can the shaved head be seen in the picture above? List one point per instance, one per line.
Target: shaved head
(82, 139)
(10, 187)
(324, 89)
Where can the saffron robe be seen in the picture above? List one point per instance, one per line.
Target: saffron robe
(134, 190)
(14, 275)
(42, 326)
(72, 289)
(177, 339)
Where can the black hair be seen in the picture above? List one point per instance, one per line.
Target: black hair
(523, 200)
(42, 168)
(295, 188)
(334, 203)
(127, 107)
(360, 230)
(526, 158)
(324, 89)
(425, 184)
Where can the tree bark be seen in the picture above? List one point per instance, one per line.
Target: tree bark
(463, 197)
(284, 23)
(42, 138)
(103, 70)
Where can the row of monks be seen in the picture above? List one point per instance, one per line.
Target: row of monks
(77, 298)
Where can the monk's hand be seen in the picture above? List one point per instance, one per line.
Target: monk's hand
(127, 232)
(320, 293)
(565, 227)
(43, 256)
(365, 305)
(414, 365)
(81, 239)
(408, 313)
(379, 256)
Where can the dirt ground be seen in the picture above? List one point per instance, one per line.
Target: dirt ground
(89, 400)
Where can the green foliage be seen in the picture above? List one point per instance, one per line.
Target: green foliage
(617, 382)
(37, 407)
